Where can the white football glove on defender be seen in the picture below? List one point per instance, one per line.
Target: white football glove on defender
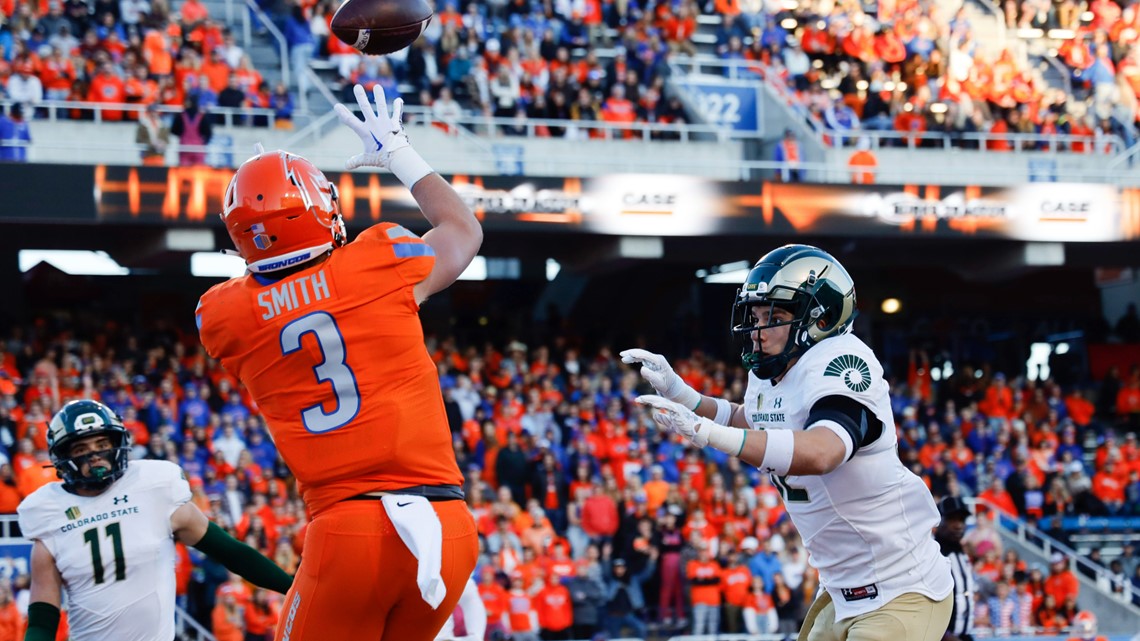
(657, 371)
(697, 430)
(385, 144)
(676, 418)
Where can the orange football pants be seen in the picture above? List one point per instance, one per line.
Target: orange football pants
(357, 579)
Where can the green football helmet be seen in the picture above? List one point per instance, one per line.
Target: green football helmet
(809, 283)
(84, 419)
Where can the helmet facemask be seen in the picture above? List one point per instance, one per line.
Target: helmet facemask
(70, 468)
(83, 419)
(808, 283)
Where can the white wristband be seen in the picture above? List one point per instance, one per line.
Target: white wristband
(723, 411)
(408, 166)
(681, 393)
(778, 452)
(729, 440)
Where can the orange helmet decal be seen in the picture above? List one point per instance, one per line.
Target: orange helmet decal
(281, 211)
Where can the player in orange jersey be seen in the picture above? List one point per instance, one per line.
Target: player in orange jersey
(326, 336)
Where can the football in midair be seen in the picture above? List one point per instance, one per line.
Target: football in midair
(378, 27)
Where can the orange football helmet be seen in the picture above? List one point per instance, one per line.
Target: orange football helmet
(1084, 625)
(281, 211)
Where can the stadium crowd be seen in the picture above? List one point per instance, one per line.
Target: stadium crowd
(906, 68)
(590, 520)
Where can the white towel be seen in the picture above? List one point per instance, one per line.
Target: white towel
(419, 528)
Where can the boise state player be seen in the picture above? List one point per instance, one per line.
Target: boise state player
(326, 336)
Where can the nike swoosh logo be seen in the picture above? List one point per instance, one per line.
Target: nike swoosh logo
(403, 504)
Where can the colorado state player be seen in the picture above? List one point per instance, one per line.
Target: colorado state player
(106, 535)
(326, 336)
(827, 436)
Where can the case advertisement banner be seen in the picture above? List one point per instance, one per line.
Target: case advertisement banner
(618, 204)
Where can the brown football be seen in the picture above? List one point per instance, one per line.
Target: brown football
(377, 27)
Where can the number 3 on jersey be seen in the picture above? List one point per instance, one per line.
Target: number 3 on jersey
(332, 369)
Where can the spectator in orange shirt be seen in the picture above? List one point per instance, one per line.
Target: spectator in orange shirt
(735, 583)
(1062, 583)
(494, 598)
(521, 615)
(1080, 409)
(227, 619)
(11, 621)
(998, 402)
(1109, 487)
(997, 496)
(260, 617)
(554, 608)
(107, 87)
(863, 163)
(193, 13)
(9, 495)
(704, 574)
(32, 477)
(656, 488)
(1128, 400)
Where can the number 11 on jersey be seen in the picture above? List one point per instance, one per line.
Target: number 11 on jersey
(114, 533)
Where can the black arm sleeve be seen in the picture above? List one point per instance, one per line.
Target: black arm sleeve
(43, 621)
(854, 417)
(243, 560)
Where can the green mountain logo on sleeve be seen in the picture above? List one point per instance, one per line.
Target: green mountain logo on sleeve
(852, 370)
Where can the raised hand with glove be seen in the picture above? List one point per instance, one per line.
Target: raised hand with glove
(385, 144)
(455, 236)
(656, 371)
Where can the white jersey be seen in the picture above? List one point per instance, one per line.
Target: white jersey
(867, 524)
(115, 551)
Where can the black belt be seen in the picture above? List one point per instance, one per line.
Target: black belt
(432, 493)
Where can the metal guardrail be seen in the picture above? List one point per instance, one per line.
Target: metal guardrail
(738, 70)
(282, 44)
(1080, 565)
(55, 108)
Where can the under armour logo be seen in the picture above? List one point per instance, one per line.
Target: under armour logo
(778, 402)
(122, 499)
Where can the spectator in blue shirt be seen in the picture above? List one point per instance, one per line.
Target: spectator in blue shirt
(761, 563)
(15, 136)
(281, 102)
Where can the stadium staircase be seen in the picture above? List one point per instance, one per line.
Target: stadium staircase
(1114, 615)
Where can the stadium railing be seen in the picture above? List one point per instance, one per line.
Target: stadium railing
(1099, 575)
(55, 110)
(267, 23)
(715, 68)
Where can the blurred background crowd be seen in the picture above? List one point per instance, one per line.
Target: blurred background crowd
(909, 67)
(591, 520)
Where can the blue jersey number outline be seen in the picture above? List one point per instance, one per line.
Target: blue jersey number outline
(333, 369)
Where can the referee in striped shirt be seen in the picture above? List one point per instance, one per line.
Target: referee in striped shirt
(949, 536)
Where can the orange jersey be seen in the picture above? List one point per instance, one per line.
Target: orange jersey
(334, 357)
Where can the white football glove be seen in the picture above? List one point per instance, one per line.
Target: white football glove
(677, 419)
(385, 144)
(657, 371)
